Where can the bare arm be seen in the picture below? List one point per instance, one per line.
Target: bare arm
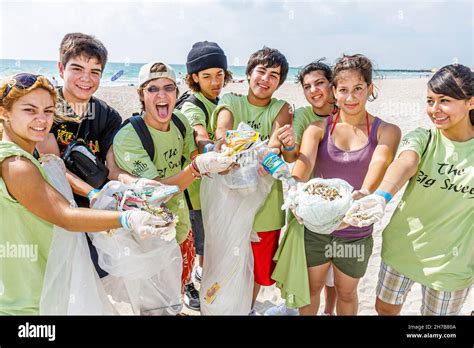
(302, 171)
(183, 179)
(79, 186)
(201, 137)
(283, 118)
(225, 121)
(400, 171)
(389, 139)
(45, 202)
(115, 172)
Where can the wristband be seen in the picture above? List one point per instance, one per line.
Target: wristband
(384, 194)
(194, 169)
(124, 220)
(208, 147)
(289, 148)
(91, 193)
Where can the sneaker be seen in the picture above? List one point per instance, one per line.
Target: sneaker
(281, 309)
(253, 312)
(191, 297)
(198, 274)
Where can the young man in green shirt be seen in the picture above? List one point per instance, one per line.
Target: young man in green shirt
(266, 71)
(158, 92)
(207, 75)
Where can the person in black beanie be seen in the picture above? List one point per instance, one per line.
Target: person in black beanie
(206, 76)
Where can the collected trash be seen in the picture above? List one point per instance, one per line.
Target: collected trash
(320, 203)
(144, 271)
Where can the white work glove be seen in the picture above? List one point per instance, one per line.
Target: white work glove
(213, 162)
(143, 183)
(358, 194)
(144, 225)
(366, 211)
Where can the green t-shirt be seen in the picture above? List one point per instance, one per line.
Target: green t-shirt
(303, 117)
(430, 238)
(270, 216)
(25, 240)
(169, 148)
(196, 116)
(291, 272)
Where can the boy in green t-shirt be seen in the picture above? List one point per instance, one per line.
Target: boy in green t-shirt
(266, 71)
(207, 75)
(158, 92)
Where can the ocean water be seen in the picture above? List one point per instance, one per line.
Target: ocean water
(130, 71)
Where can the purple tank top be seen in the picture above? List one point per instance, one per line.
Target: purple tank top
(352, 166)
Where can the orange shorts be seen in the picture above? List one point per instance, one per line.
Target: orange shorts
(188, 253)
(263, 253)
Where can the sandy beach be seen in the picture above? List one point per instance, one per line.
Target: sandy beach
(400, 101)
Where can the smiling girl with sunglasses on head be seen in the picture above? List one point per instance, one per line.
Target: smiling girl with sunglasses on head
(29, 204)
(430, 237)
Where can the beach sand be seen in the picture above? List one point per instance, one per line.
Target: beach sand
(400, 101)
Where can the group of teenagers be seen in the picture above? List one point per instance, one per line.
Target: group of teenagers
(429, 239)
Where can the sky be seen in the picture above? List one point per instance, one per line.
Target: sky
(393, 34)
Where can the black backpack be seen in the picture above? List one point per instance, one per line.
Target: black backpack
(144, 134)
(80, 160)
(188, 97)
(147, 141)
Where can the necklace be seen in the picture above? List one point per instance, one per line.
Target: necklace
(354, 127)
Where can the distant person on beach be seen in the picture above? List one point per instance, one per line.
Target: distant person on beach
(30, 205)
(173, 141)
(355, 146)
(206, 75)
(315, 79)
(430, 237)
(54, 82)
(266, 71)
(82, 59)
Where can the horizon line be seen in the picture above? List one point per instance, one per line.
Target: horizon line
(291, 67)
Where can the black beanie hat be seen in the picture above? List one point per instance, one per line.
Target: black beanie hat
(205, 55)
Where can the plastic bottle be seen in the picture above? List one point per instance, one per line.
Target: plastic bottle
(274, 165)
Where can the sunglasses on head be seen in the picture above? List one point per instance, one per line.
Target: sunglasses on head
(22, 81)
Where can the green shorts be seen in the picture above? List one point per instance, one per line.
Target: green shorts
(350, 256)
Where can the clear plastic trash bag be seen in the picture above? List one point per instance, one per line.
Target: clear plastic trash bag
(71, 285)
(228, 216)
(245, 176)
(144, 274)
(320, 215)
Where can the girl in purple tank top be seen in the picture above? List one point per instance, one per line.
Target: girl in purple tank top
(357, 147)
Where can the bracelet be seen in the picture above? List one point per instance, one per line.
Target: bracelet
(124, 220)
(289, 148)
(91, 193)
(194, 170)
(384, 194)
